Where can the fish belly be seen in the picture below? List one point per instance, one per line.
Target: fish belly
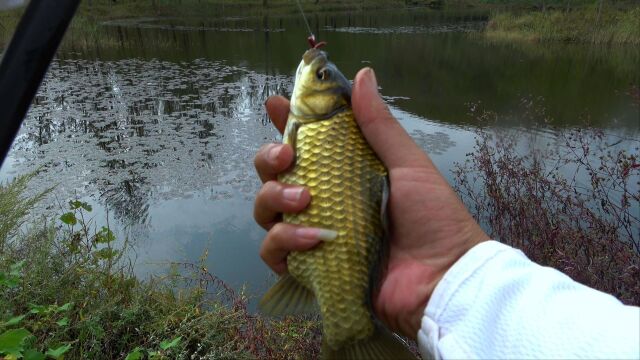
(346, 180)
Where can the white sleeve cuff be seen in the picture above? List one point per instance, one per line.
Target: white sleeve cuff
(496, 303)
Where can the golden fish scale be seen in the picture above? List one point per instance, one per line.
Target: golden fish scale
(345, 179)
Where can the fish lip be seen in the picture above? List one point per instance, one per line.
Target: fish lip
(312, 55)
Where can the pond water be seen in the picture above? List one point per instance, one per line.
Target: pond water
(156, 123)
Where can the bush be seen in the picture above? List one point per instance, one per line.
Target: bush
(67, 290)
(572, 204)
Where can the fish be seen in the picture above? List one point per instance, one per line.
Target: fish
(349, 190)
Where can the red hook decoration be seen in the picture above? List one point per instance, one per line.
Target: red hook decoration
(313, 44)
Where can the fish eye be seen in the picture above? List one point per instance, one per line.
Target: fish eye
(323, 74)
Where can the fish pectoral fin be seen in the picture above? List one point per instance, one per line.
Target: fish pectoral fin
(288, 297)
(382, 345)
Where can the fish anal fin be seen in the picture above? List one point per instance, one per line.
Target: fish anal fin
(382, 345)
(288, 297)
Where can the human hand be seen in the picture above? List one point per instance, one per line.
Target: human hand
(430, 228)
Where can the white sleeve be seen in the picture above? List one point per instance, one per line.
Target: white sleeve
(495, 303)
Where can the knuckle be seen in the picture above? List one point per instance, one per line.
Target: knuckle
(277, 231)
(260, 159)
(264, 254)
(270, 188)
(265, 192)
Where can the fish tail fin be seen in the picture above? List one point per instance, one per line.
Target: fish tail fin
(382, 345)
(288, 297)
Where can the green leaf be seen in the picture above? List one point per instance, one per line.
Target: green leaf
(33, 354)
(16, 269)
(154, 354)
(105, 253)
(64, 307)
(105, 235)
(12, 341)
(76, 204)
(63, 322)
(135, 354)
(169, 344)
(9, 280)
(12, 279)
(58, 352)
(37, 309)
(69, 218)
(14, 320)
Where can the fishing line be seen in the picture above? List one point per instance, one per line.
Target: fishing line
(305, 19)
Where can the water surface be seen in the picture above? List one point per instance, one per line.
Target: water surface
(157, 123)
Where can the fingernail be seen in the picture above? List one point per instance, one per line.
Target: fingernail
(273, 153)
(371, 81)
(316, 234)
(292, 194)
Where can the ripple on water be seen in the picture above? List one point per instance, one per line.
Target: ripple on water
(131, 132)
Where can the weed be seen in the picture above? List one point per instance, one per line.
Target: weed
(571, 204)
(589, 24)
(67, 289)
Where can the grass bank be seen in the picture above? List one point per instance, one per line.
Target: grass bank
(590, 24)
(66, 290)
(91, 13)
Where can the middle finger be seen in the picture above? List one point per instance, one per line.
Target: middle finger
(275, 198)
(273, 159)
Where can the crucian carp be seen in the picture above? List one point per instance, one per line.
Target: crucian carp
(349, 187)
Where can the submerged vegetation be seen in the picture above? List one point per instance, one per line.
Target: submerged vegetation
(67, 290)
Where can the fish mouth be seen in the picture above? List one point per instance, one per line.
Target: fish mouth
(312, 54)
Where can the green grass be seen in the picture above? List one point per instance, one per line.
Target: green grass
(67, 288)
(85, 29)
(586, 25)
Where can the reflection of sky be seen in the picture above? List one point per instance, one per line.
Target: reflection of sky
(167, 148)
(183, 229)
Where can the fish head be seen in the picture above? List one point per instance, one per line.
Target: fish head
(320, 90)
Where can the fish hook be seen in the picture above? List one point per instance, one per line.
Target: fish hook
(313, 44)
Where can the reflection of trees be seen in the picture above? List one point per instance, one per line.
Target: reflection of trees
(133, 131)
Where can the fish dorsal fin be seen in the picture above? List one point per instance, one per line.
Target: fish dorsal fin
(288, 297)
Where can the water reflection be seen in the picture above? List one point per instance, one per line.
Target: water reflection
(157, 120)
(133, 130)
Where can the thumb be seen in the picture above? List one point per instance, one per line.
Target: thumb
(383, 132)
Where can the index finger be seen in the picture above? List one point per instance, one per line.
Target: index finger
(278, 110)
